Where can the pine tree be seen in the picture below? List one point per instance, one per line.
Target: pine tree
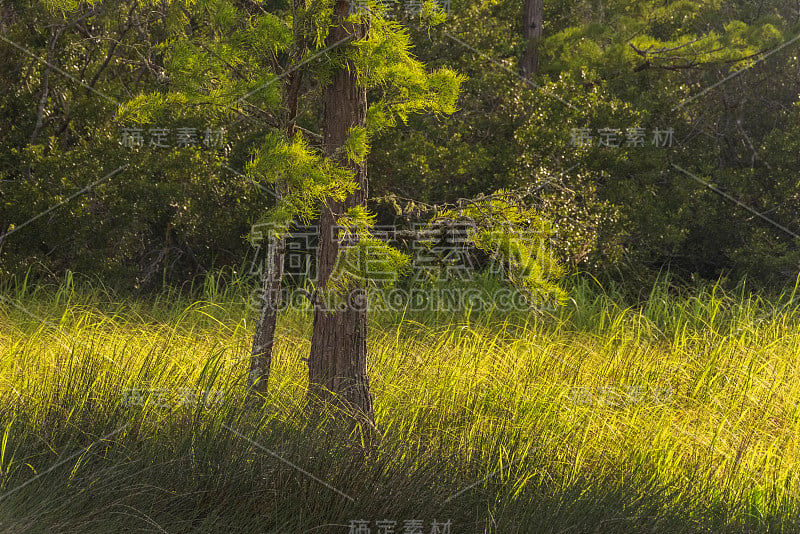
(217, 66)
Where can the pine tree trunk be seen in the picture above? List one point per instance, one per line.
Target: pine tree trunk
(338, 359)
(264, 337)
(532, 22)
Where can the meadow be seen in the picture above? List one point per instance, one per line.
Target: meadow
(674, 413)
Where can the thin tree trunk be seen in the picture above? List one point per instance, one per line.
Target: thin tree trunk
(3, 233)
(532, 22)
(338, 359)
(264, 337)
(45, 86)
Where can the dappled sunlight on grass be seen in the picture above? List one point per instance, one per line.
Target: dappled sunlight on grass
(675, 415)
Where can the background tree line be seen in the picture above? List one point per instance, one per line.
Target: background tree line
(723, 77)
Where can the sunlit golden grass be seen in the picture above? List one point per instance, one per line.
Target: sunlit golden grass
(679, 414)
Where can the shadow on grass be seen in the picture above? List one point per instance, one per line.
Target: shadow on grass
(246, 470)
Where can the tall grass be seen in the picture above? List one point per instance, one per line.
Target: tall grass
(678, 413)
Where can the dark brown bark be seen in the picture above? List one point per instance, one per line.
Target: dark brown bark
(338, 359)
(532, 21)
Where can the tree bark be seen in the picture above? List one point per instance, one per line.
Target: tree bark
(264, 337)
(532, 22)
(338, 359)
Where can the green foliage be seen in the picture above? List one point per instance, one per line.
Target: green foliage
(207, 71)
(720, 74)
(384, 61)
(518, 238)
(618, 65)
(357, 145)
(362, 260)
(162, 215)
(366, 262)
(305, 178)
